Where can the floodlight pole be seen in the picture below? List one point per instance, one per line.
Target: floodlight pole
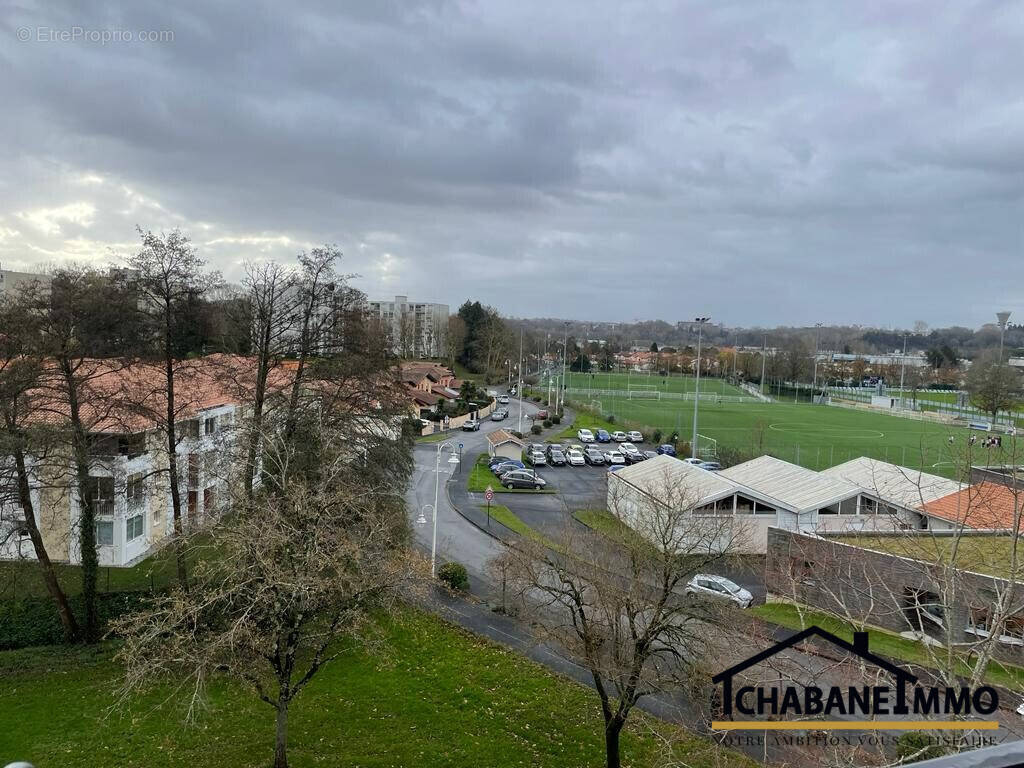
(565, 354)
(1002, 317)
(764, 355)
(817, 335)
(519, 384)
(696, 387)
(903, 368)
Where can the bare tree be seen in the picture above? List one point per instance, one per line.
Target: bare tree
(299, 580)
(21, 385)
(616, 603)
(168, 273)
(455, 339)
(994, 386)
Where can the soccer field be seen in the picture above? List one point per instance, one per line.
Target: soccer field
(814, 436)
(625, 382)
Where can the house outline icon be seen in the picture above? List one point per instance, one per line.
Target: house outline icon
(858, 647)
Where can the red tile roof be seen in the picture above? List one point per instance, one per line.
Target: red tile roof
(984, 505)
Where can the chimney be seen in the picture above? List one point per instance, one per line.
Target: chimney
(860, 642)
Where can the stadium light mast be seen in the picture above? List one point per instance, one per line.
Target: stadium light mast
(1002, 317)
(764, 355)
(696, 388)
(565, 354)
(817, 335)
(903, 368)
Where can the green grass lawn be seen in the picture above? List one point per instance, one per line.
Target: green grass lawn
(23, 579)
(879, 641)
(813, 436)
(433, 696)
(982, 554)
(645, 381)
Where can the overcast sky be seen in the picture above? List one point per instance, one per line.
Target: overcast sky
(762, 162)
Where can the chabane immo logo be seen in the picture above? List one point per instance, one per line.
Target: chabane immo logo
(914, 706)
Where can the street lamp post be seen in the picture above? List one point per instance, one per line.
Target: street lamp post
(764, 357)
(696, 387)
(453, 459)
(1002, 317)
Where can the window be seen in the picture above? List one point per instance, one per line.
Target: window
(135, 490)
(193, 470)
(209, 425)
(190, 428)
(209, 499)
(135, 527)
(101, 491)
(104, 533)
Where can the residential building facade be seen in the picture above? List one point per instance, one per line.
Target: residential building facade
(417, 328)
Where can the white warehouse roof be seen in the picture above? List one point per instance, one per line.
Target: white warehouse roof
(653, 475)
(909, 488)
(795, 487)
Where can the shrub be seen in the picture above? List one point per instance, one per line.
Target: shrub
(656, 437)
(536, 429)
(454, 576)
(547, 423)
(556, 419)
(537, 398)
(516, 433)
(34, 620)
(610, 418)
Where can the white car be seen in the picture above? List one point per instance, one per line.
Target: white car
(718, 588)
(619, 436)
(503, 399)
(585, 436)
(694, 460)
(634, 436)
(575, 457)
(631, 451)
(614, 456)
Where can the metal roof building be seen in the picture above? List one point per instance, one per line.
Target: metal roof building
(893, 484)
(795, 488)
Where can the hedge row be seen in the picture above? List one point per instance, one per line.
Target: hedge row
(34, 620)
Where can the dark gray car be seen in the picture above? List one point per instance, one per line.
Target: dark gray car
(522, 478)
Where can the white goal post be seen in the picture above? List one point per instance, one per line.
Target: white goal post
(707, 447)
(643, 394)
(633, 386)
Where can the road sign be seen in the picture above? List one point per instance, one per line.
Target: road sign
(460, 446)
(489, 493)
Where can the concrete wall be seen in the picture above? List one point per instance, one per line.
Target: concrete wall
(872, 587)
(456, 422)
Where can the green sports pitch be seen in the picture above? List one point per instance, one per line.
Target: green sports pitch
(814, 436)
(639, 382)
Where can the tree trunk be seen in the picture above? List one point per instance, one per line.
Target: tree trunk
(172, 454)
(67, 617)
(281, 737)
(611, 743)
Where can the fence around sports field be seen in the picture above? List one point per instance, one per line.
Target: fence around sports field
(642, 395)
(924, 404)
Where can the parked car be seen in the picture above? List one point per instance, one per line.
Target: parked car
(535, 458)
(556, 456)
(523, 478)
(575, 457)
(593, 456)
(667, 450)
(718, 588)
(650, 454)
(503, 399)
(585, 436)
(619, 436)
(507, 466)
(631, 452)
(614, 456)
(694, 460)
(603, 436)
(634, 436)
(540, 415)
(471, 426)
(499, 415)
(615, 467)
(710, 466)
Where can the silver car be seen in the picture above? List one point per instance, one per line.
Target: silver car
(707, 585)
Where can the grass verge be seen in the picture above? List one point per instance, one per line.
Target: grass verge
(481, 476)
(432, 695)
(880, 641)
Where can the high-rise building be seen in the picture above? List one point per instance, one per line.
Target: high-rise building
(10, 282)
(417, 328)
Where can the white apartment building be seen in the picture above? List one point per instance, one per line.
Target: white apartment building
(417, 328)
(11, 281)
